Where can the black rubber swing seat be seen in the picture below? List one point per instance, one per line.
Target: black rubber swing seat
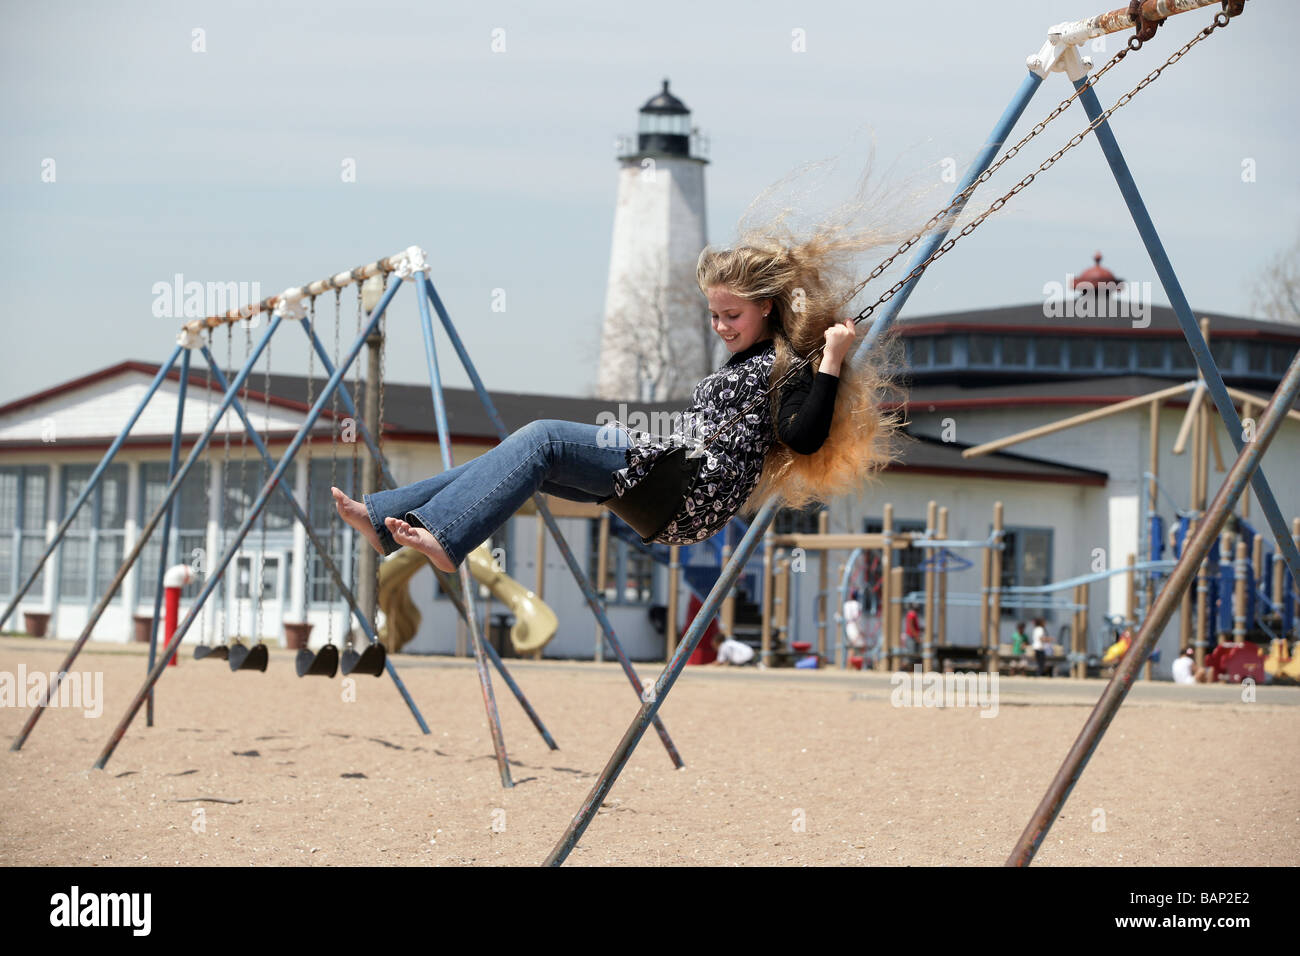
(245, 658)
(217, 652)
(324, 663)
(370, 661)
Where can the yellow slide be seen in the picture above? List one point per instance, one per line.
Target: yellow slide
(535, 622)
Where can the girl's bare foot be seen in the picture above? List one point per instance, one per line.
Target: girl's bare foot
(355, 514)
(422, 541)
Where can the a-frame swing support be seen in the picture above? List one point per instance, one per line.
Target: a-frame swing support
(1059, 54)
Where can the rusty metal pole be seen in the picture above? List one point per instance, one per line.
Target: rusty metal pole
(1216, 516)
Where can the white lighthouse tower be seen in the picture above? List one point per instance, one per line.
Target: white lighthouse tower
(656, 343)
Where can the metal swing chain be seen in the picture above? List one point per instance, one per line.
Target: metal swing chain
(205, 635)
(354, 557)
(379, 436)
(1220, 20)
(334, 432)
(243, 485)
(311, 401)
(266, 442)
(225, 479)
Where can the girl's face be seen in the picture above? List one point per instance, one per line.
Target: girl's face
(738, 322)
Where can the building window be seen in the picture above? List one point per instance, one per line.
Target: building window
(943, 350)
(1026, 562)
(1224, 353)
(1047, 353)
(92, 548)
(797, 521)
(629, 569)
(919, 351)
(1256, 358)
(979, 351)
(1280, 359)
(333, 533)
(1015, 351)
(23, 498)
(1116, 355)
(189, 532)
(1152, 355)
(1082, 353)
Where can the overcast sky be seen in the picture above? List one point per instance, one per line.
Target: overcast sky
(226, 163)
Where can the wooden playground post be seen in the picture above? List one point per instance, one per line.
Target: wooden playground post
(990, 653)
(1239, 591)
(780, 600)
(1080, 615)
(602, 574)
(822, 604)
(1202, 590)
(995, 613)
(927, 636)
(728, 618)
(1130, 602)
(1247, 412)
(895, 610)
(942, 598)
(674, 586)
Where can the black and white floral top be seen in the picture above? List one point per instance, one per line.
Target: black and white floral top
(731, 465)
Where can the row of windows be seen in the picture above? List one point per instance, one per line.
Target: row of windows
(1113, 355)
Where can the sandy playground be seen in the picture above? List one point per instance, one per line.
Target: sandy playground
(783, 767)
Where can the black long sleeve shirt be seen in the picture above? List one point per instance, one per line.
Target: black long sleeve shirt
(807, 404)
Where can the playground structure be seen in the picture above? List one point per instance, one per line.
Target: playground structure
(1059, 54)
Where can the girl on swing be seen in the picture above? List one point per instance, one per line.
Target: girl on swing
(821, 434)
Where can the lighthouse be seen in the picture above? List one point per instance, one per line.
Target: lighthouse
(656, 342)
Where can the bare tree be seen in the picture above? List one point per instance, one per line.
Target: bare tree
(659, 334)
(1277, 287)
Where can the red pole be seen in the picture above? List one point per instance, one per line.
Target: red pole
(171, 616)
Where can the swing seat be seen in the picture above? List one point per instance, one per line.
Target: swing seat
(370, 661)
(324, 663)
(245, 658)
(217, 653)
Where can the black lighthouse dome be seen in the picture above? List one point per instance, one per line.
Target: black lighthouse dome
(664, 125)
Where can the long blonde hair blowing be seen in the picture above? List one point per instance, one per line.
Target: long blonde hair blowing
(810, 285)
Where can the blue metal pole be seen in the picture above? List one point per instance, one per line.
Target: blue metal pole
(1001, 130)
(172, 461)
(466, 585)
(317, 543)
(580, 576)
(444, 579)
(1187, 321)
(256, 509)
(92, 483)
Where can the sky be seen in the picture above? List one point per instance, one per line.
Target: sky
(214, 141)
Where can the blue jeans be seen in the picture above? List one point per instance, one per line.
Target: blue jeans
(463, 506)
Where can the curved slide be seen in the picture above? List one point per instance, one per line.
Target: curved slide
(535, 622)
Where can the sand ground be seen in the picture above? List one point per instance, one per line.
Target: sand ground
(782, 767)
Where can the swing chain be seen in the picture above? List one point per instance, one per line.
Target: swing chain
(1220, 20)
(311, 403)
(266, 443)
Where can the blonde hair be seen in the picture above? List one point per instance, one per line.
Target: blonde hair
(809, 276)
